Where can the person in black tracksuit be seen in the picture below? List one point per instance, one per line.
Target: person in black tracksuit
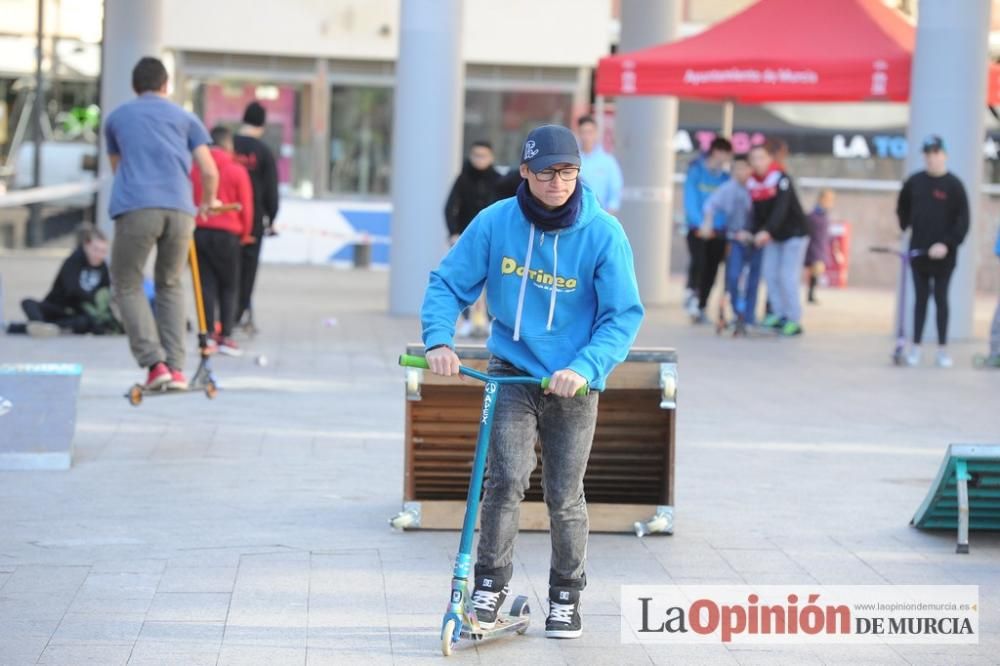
(474, 189)
(82, 275)
(934, 206)
(254, 154)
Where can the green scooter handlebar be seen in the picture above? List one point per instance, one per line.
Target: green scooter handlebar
(411, 361)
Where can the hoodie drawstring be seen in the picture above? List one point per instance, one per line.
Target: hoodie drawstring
(555, 273)
(524, 285)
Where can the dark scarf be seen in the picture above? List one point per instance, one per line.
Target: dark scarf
(550, 220)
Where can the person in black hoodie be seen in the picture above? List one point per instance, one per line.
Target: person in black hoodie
(780, 227)
(933, 204)
(474, 189)
(80, 298)
(254, 154)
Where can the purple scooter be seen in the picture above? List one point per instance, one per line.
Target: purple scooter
(905, 257)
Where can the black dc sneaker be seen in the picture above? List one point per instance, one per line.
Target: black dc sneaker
(487, 598)
(564, 613)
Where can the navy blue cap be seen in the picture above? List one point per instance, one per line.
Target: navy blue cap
(932, 142)
(548, 145)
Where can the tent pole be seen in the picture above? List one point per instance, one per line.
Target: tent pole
(727, 119)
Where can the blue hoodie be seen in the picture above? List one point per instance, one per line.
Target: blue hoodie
(698, 187)
(587, 323)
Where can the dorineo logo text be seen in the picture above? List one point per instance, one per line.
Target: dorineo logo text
(541, 279)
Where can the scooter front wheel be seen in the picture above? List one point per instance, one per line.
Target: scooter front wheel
(447, 637)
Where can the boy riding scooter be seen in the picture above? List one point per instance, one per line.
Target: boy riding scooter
(560, 283)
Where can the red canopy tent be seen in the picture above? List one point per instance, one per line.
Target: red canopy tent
(781, 51)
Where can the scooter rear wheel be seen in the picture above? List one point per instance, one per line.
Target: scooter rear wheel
(519, 609)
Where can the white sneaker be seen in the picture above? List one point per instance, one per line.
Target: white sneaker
(42, 329)
(943, 360)
(692, 306)
(465, 329)
(913, 358)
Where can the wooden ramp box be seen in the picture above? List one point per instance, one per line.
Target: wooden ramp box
(630, 478)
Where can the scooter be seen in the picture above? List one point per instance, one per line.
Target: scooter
(203, 379)
(905, 257)
(460, 617)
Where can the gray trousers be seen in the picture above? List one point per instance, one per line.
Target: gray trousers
(566, 429)
(159, 339)
(782, 270)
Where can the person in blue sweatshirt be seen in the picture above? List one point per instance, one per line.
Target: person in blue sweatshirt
(704, 175)
(732, 201)
(561, 285)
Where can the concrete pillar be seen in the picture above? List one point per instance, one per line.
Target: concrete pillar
(131, 31)
(948, 97)
(426, 143)
(320, 127)
(644, 132)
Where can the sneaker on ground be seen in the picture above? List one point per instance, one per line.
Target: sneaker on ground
(465, 329)
(228, 347)
(159, 376)
(772, 321)
(564, 613)
(913, 357)
(691, 305)
(943, 359)
(42, 329)
(178, 382)
(791, 329)
(699, 318)
(487, 598)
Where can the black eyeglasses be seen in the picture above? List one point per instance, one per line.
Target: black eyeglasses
(568, 174)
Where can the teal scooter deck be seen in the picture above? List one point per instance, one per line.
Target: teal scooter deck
(460, 617)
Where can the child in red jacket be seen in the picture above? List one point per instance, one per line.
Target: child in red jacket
(218, 239)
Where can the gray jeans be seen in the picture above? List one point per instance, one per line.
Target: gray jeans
(136, 234)
(782, 270)
(566, 429)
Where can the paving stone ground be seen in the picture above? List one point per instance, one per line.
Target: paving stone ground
(252, 529)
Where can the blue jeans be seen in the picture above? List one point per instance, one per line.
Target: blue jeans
(743, 257)
(782, 267)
